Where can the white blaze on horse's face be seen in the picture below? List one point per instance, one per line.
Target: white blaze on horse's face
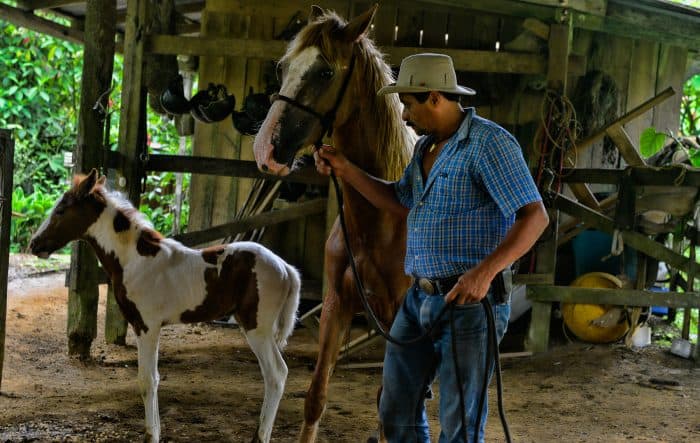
(288, 128)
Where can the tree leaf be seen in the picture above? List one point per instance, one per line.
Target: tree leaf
(650, 142)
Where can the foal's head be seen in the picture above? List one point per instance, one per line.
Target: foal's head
(312, 74)
(77, 209)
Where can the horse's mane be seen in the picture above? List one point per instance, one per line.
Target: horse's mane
(119, 202)
(394, 142)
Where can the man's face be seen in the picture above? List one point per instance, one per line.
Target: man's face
(415, 114)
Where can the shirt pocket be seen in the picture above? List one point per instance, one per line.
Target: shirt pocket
(451, 193)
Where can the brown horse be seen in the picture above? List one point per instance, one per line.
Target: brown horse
(368, 129)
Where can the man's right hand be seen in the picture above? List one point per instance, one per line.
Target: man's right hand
(328, 159)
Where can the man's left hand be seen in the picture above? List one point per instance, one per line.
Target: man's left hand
(471, 287)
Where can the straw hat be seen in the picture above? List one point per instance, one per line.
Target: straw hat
(427, 72)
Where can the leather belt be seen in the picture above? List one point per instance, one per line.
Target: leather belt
(438, 285)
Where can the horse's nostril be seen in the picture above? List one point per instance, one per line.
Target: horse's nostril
(264, 167)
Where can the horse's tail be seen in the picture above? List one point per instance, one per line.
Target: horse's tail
(288, 314)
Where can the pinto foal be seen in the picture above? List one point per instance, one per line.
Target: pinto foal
(158, 281)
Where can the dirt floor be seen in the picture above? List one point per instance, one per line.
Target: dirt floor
(211, 388)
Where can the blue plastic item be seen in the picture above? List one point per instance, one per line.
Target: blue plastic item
(591, 246)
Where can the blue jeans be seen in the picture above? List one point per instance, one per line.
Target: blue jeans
(410, 370)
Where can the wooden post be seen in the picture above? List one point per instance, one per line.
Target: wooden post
(557, 72)
(7, 152)
(97, 78)
(132, 135)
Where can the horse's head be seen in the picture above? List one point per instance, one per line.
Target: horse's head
(313, 72)
(75, 212)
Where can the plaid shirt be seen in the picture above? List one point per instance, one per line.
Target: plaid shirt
(468, 203)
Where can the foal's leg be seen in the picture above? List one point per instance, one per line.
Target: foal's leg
(147, 344)
(274, 371)
(335, 321)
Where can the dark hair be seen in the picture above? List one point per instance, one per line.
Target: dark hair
(421, 97)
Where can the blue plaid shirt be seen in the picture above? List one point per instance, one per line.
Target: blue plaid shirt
(468, 203)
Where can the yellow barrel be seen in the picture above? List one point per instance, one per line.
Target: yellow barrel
(578, 316)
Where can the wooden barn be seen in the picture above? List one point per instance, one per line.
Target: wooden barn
(587, 75)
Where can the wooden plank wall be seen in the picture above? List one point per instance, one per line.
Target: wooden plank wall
(639, 68)
(219, 198)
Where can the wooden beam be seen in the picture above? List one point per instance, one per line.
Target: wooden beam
(227, 167)
(501, 7)
(634, 113)
(636, 23)
(487, 61)
(632, 239)
(678, 175)
(83, 290)
(537, 27)
(464, 59)
(7, 155)
(132, 120)
(616, 296)
(627, 149)
(49, 4)
(294, 211)
(28, 20)
(216, 46)
(593, 7)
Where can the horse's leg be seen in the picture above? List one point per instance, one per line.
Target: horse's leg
(147, 344)
(274, 372)
(335, 320)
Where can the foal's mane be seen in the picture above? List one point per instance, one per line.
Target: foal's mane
(393, 142)
(119, 202)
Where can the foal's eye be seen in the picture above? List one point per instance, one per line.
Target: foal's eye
(327, 74)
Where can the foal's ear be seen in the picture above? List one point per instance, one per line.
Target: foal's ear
(102, 180)
(86, 185)
(316, 12)
(360, 24)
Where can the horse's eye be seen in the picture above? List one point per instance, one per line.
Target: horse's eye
(327, 74)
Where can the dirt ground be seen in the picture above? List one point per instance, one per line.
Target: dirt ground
(211, 388)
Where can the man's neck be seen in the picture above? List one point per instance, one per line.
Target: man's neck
(449, 124)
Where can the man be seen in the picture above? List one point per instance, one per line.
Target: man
(473, 209)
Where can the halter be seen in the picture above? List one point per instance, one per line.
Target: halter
(328, 118)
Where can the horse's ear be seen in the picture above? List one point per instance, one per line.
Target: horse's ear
(360, 24)
(86, 185)
(316, 12)
(102, 180)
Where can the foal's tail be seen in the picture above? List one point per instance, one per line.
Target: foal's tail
(288, 314)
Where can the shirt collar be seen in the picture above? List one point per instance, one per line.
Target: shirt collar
(463, 131)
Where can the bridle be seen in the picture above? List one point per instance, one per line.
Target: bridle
(328, 118)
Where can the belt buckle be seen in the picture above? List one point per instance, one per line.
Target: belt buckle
(426, 285)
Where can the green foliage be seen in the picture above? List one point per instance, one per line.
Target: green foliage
(650, 142)
(39, 102)
(690, 107)
(33, 208)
